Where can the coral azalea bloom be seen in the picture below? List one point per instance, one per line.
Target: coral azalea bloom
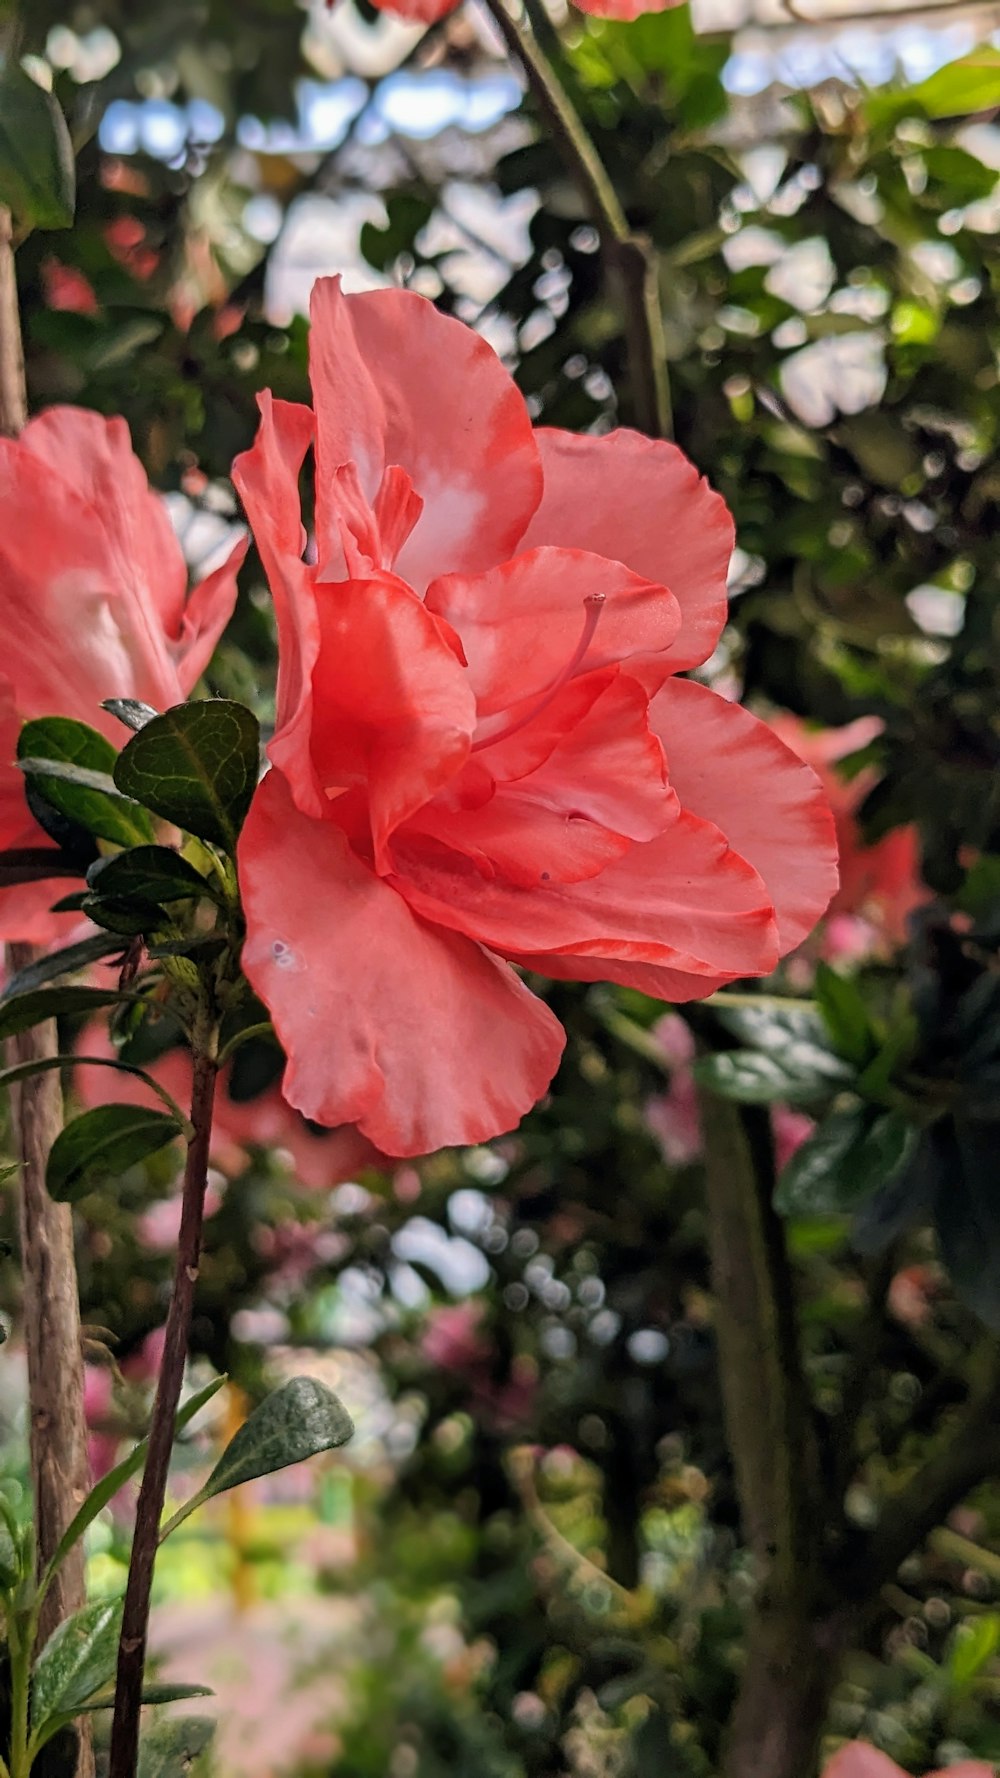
(94, 604)
(483, 755)
(427, 12)
(858, 1760)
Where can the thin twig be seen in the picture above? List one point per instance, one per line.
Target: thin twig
(630, 258)
(135, 1618)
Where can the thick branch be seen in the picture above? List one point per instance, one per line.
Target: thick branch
(13, 395)
(135, 1620)
(630, 258)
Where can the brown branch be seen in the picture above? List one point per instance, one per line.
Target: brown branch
(135, 1620)
(630, 258)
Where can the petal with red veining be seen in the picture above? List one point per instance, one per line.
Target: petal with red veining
(521, 623)
(416, 1035)
(639, 501)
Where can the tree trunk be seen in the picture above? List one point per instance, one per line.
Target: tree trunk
(792, 1668)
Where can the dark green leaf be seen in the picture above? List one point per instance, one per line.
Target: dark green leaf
(37, 168)
(127, 916)
(171, 1746)
(78, 1658)
(106, 1140)
(196, 766)
(151, 1694)
(967, 1214)
(844, 1015)
(299, 1420)
(90, 799)
(26, 1010)
(130, 711)
(753, 1078)
(34, 864)
(153, 873)
(106, 1489)
(854, 1152)
(68, 961)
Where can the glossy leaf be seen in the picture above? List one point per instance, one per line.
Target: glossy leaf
(151, 873)
(854, 1152)
(78, 1658)
(105, 1140)
(196, 766)
(753, 1078)
(86, 795)
(845, 1015)
(69, 961)
(298, 1421)
(105, 1490)
(37, 166)
(26, 1010)
(170, 1747)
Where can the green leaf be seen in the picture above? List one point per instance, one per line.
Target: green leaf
(151, 873)
(106, 1489)
(106, 1140)
(151, 1694)
(129, 917)
(854, 1152)
(960, 89)
(37, 168)
(78, 1658)
(299, 1420)
(170, 1747)
(196, 766)
(26, 1010)
(974, 1644)
(10, 1563)
(69, 961)
(844, 1015)
(753, 1078)
(73, 766)
(130, 711)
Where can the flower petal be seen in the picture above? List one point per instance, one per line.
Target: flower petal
(417, 1036)
(267, 480)
(684, 901)
(601, 785)
(625, 10)
(207, 611)
(521, 623)
(731, 769)
(639, 501)
(421, 12)
(443, 409)
(393, 714)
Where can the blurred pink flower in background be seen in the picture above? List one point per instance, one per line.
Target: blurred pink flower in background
(454, 1339)
(880, 885)
(267, 1121)
(65, 287)
(672, 1116)
(858, 1760)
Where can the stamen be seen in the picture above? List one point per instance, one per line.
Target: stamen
(593, 605)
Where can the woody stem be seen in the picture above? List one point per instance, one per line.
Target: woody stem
(630, 257)
(138, 1592)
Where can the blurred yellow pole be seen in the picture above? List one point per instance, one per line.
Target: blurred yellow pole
(239, 1512)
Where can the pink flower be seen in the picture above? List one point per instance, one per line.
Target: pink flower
(790, 1129)
(879, 885)
(65, 287)
(94, 604)
(483, 755)
(858, 1760)
(427, 12)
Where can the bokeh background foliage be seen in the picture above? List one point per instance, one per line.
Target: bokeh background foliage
(535, 1561)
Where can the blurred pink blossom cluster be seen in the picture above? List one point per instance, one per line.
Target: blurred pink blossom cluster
(456, 1340)
(858, 1760)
